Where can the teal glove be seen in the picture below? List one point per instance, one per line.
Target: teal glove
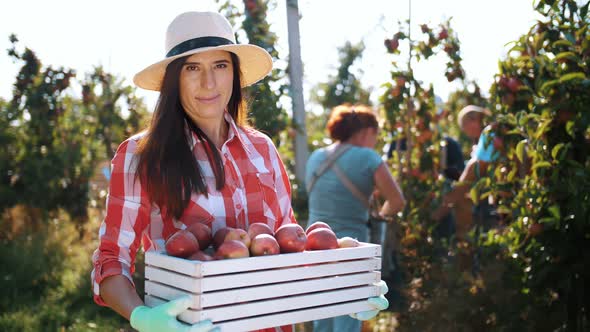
(162, 318)
(378, 302)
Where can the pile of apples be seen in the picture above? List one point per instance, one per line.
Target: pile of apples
(197, 242)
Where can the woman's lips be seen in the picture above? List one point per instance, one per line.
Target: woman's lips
(208, 100)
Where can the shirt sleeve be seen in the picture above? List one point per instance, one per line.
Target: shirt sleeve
(127, 216)
(283, 187)
(373, 160)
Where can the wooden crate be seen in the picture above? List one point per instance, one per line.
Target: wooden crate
(258, 292)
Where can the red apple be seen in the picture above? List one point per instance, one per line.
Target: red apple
(258, 228)
(291, 238)
(564, 115)
(535, 229)
(400, 81)
(219, 236)
(392, 44)
(508, 99)
(231, 249)
(513, 84)
(264, 244)
(239, 235)
(203, 234)
(200, 256)
(317, 224)
(321, 239)
(182, 244)
(498, 143)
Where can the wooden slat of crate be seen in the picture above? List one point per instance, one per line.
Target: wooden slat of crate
(217, 282)
(200, 269)
(283, 318)
(276, 305)
(232, 296)
(293, 317)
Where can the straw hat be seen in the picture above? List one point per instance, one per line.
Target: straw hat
(469, 109)
(196, 32)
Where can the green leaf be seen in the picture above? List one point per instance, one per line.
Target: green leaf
(474, 196)
(546, 220)
(562, 42)
(554, 210)
(541, 164)
(555, 150)
(542, 129)
(566, 56)
(548, 86)
(524, 120)
(512, 174)
(572, 77)
(569, 128)
(485, 195)
(514, 131)
(503, 209)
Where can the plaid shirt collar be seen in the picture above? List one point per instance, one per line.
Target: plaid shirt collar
(232, 133)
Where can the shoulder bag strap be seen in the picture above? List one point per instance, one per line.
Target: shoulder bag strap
(330, 163)
(351, 186)
(324, 166)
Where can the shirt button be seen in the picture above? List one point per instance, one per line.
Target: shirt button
(239, 206)
(226, 155)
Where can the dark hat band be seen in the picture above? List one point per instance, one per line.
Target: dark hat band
(195, 43)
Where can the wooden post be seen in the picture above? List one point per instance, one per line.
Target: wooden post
(296, 78)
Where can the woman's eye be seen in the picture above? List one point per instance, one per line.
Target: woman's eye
(191, 67)
(221, 65)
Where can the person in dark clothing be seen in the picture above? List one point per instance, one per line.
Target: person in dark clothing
(454, 157)
(452, 164)
(455, 163)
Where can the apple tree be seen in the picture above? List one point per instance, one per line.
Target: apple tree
(541, 178)
(54, 140)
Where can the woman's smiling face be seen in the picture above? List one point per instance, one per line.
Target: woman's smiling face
(206, 82)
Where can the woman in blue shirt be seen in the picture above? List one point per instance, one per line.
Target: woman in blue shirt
(342, 177)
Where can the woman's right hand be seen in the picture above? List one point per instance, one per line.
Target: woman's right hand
(162, 318)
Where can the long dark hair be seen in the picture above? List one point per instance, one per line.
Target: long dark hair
(166, 165)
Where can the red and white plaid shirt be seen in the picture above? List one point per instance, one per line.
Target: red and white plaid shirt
(257, 189)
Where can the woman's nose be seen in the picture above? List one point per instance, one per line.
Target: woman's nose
(208, 79)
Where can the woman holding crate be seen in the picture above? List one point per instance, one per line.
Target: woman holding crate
(198, 161)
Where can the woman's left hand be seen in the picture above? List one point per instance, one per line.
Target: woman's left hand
(378, 302)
